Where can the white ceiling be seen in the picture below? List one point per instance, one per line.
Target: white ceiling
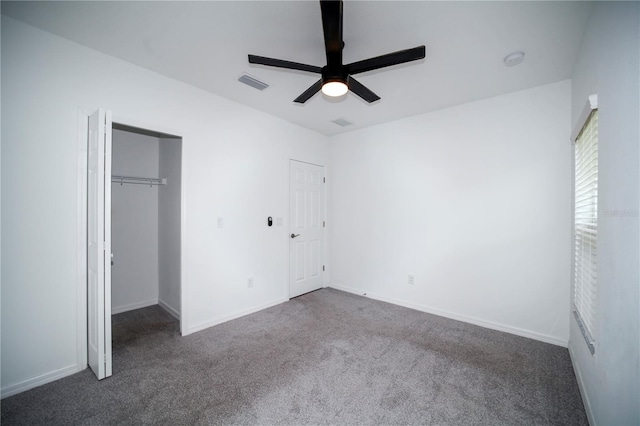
(206, 44)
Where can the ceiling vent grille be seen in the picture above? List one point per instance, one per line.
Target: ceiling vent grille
(253, 82)
(342, 122)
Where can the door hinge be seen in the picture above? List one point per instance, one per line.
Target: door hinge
(323, 267)
(324, 224)
(324, 180)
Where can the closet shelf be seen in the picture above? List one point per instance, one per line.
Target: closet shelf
(135, 180)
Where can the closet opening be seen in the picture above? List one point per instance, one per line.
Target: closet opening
(145, 228)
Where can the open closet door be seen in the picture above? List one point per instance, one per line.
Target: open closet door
(99, 243)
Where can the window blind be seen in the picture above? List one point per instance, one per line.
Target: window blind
(586, 226)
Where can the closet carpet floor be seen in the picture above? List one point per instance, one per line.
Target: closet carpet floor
(327, 357)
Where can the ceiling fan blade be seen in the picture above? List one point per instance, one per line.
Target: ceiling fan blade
(309, 92)
(261, 60)
(332, 27)
(361, 90)
(395, 58)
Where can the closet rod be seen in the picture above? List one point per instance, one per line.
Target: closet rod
(138, 180)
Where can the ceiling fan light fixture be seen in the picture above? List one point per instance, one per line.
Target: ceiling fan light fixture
(335, 88)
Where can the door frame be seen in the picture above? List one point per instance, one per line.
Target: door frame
(81, 214)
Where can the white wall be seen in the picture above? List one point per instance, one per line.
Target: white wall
(474, 200)
(609, 66)
(169, 206)
(235, 166)
(134, 223)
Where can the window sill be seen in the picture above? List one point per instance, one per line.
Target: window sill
(587, 337)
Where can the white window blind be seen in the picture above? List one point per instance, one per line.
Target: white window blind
(586, 226)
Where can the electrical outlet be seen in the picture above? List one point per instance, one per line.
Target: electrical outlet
(412, 279)
(250, 282)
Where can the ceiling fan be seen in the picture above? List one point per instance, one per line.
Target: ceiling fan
(337, 78)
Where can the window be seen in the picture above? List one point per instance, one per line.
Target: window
(586, 223)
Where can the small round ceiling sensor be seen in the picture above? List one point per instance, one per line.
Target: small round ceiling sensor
(514, 59)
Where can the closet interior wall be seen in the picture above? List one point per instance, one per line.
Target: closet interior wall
(169, 223)
(145, 223)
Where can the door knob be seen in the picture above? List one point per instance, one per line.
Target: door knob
(295, 235)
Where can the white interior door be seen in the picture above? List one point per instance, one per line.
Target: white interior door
(306, 227)
(99, 243)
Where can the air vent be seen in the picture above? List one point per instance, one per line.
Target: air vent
(342, 122)
(253, 82)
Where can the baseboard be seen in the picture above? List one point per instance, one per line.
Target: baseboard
(173, 312)
(208, 324)
(583, 390)
(348, 289)
(458, 317)
(139, 305)
(40, 380)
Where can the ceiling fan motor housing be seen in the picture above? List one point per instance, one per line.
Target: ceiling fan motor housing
(341, 75)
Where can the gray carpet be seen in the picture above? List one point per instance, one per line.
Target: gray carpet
(327, 357)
